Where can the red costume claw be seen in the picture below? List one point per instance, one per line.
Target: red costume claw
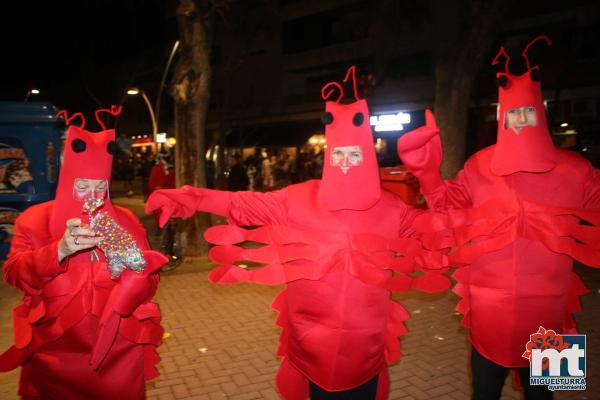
(132, 290)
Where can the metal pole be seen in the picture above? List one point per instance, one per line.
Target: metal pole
(162, 81)
(154, 127)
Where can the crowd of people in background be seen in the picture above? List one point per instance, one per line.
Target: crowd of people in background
(273, 171)
(154, 171)
(261, 171)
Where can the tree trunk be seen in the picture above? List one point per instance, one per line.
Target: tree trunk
(462, 43)
(451, 111)
(191, 93)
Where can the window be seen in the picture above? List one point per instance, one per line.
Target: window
(416, 64)
(344, 24)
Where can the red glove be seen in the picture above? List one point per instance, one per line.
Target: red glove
(179, 203)
(132, 290)
(186, 201)
(421, 151)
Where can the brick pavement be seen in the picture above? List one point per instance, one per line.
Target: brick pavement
(223, 340)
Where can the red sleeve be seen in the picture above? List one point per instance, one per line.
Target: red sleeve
(255, 208)
(591, 189)
(241, 208)
(451, 194)
(28, 268)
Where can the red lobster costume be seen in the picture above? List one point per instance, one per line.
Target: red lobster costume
(78, 333)
(513, 214)
(335, 243)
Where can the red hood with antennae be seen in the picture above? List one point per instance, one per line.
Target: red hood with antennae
(348, 125)
(87, 155)
(530, 149)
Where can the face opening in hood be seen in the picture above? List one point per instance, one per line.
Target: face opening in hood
(86, 189)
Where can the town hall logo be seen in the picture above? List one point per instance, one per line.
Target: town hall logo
(556, 361)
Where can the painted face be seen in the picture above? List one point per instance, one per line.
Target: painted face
(84, 189)
(346, 157)
(518, 118)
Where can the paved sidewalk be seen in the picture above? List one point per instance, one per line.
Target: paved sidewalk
(223, 340)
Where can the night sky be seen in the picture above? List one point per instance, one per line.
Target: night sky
(83, 55)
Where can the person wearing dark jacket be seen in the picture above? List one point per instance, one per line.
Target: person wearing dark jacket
(238, 178)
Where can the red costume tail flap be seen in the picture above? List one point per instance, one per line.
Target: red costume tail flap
(576, 290)
(461, 275)
(394, 329)
(151, 358)
(134, 289)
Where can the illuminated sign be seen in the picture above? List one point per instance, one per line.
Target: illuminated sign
(390, 122)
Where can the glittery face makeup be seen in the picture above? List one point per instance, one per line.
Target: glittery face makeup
(84, 189)
(346, 157)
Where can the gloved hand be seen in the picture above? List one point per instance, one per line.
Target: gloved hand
(179, 203)
(132, 290)
(421, 151)
(186, 201)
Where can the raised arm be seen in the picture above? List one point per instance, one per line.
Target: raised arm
(421, 151)
(242, 208)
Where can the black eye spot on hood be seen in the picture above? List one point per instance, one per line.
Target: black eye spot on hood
(358, 119)
(535, 75)
(502, 81)
(327, 118)
(111, 147)
(78, 145)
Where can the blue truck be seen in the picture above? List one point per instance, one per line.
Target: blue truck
(31, 140)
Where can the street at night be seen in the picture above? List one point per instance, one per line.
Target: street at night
(300, 199)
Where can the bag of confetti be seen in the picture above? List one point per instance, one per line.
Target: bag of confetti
(118, 245)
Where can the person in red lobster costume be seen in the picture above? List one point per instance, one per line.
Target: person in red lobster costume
(336, 244)
(513, 217)
(79, 332)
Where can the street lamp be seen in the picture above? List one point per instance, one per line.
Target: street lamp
(164, 79)
(29, 93)
(135, 92)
